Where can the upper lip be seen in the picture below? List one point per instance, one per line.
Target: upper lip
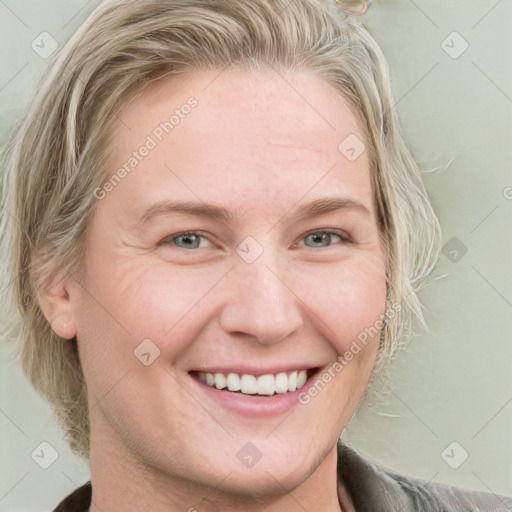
(254, 370)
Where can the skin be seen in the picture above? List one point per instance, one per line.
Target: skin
(259, 148)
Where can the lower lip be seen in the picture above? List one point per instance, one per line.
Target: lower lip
(255, 406)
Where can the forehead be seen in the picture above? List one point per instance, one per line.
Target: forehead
(263, 136)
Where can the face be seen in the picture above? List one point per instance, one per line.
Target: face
(244, 279)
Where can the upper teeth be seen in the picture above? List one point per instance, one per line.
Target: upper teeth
(252, 385)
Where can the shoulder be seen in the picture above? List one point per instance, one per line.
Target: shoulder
(78, 501)
(373, 487)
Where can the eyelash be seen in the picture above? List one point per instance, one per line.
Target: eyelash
(345, 238)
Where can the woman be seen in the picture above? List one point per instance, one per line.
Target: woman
(219, 240)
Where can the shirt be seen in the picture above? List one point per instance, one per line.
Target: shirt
(372, 488)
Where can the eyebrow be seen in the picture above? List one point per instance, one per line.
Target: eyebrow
(209, 211)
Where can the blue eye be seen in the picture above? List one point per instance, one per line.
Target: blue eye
(324, 238)
(318, 239)
(190, 240)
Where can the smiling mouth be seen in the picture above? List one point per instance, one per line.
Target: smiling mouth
(261, 385)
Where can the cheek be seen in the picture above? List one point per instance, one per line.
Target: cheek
(348, 297)
(349, 306)
(151, 300)
(137, 299)
(171, 303)
(165, 296)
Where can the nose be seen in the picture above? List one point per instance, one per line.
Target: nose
(261, 304)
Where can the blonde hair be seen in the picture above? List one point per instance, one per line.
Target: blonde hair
(59, 154)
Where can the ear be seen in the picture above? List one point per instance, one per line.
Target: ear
(56, 305)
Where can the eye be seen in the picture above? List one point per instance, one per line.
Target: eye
(318, 239)
(324, 238)
(188, 240)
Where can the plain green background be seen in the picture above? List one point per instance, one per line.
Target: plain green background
(454, 382)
